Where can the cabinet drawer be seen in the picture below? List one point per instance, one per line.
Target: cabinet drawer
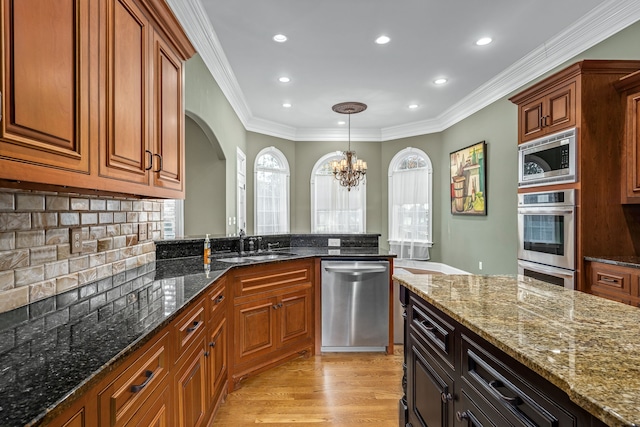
(616, 283)
(475, 411)
(517, 401)
(217, 299)
(189, 327)
(261, 279)
(122, 398)
(432, 327)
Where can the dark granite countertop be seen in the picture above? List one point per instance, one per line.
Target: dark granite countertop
(56, 349)
(624, 261)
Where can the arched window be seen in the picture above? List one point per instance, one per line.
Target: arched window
(271, 192)
(333, 208)
(410, 208)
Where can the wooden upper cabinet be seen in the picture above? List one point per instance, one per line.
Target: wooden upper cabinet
(168, 118)
(629, 86)
(551, 111)
(93, 87)
(45, 70)
(123, 154)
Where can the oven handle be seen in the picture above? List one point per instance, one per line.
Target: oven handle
(545, 269)
(544, 211)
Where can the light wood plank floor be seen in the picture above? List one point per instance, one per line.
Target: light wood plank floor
(334, 389)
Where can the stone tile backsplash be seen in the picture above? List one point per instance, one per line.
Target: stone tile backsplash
(35, 254)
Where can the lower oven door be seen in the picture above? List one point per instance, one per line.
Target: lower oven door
(546, 235)
(546, 273)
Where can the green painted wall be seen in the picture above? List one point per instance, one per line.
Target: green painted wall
(205, 183)
(205, 102)
(459, 241)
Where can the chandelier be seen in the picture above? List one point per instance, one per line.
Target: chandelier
(350, 170)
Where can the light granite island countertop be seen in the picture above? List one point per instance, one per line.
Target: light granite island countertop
(587, 346)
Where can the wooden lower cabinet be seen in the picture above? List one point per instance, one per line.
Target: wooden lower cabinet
(182, 374)
(271, 330)
(483, 387)
(190, 386)
(429, 388)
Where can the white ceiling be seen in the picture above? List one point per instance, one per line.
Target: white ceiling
(331, 57)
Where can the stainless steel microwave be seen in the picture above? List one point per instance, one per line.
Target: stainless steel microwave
(548, 160)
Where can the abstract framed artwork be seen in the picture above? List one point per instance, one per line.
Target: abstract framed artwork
(468, 173)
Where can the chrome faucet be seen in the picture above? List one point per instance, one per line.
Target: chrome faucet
(242, 235)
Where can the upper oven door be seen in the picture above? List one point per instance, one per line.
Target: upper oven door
(547, 161)
(547, 235)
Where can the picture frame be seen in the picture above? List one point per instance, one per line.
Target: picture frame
(468, 180)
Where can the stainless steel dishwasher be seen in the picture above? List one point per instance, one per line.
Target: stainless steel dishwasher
(355, 305)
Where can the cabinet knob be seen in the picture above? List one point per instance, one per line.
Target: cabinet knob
(206, 354)
(212, 344)
(446, 397)
(462, 416)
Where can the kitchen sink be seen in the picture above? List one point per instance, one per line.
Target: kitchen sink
(266, 257)
(269, 256)
(234, 259)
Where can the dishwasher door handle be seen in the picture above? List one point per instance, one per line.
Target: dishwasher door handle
(355, 270)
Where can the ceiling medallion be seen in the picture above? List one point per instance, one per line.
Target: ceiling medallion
(349, 171)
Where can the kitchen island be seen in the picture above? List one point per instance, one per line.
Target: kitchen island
(585, 346)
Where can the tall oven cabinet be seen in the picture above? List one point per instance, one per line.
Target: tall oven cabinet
(583, 96)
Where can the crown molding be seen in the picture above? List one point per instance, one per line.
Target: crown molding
(196, 24)
(602, 22)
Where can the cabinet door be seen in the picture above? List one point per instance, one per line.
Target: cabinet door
(217, 360)
(190, 388)
(168, 152)
(429, 389)
(551, 112)
(294, 311)
(531, 119)
(560, 109)
(45, 70)
(124, 154)
(631, 177)
(254, 329)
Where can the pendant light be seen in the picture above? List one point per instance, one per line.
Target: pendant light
(350, 170)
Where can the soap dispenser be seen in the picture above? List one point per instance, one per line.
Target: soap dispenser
(207, 254)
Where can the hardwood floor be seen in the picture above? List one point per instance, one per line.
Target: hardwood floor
(334, 389)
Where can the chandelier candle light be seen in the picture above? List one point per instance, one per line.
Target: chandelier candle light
(350, 170)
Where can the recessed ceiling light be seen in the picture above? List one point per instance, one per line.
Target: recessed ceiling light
(413, 106)
(284, 79)
(286, 105)
(484, 41)
(383, 40)
(280, 38)
(342, 122)
(440, 81)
